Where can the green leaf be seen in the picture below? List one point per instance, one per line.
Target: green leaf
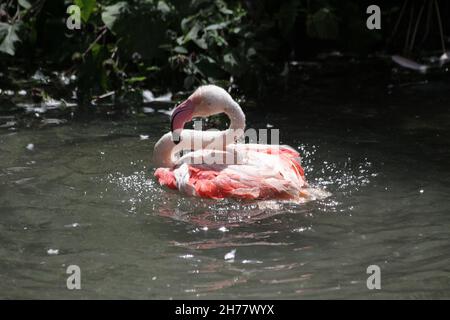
(223, 8)
(217, 26)
(153, 68)
(8, 36)
(230, 60)
(193, 35)
(95, 50)
(136, 79)
(24, 4)
(225, 11)
(185, 22)
(86, 8)
(201, 43)
(111, 13)
(218, 40)
(163, 7)
(179, 49)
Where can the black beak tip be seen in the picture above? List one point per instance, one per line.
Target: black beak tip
(176, 138)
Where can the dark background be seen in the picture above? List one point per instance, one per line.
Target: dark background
(253, 48)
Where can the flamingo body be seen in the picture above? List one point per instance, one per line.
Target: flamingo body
(248, 171)
(266, 172)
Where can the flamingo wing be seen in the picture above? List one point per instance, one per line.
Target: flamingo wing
(264, 172)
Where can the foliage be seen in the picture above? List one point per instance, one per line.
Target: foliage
(127, 45)
(8, 32)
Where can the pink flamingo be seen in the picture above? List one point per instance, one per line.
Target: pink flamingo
(263, 171)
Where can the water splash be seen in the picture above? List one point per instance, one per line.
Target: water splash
(142, 194)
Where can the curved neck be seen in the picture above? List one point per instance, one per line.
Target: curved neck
(165, 149)
(236, 115)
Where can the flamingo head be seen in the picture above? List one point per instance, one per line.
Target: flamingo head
(205, 101)
(180, 115)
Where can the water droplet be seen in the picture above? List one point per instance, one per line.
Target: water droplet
(52, 252)
(230, 255)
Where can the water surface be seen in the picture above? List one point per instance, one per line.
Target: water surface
(83, 194)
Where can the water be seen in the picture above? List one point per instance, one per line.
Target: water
(83, 194)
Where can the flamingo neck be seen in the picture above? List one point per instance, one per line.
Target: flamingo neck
(236, 116)
(165, 149)
(237, 125)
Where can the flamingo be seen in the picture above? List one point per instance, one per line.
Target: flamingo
(268, 172)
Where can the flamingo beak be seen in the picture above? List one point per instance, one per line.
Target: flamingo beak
(180, 115)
